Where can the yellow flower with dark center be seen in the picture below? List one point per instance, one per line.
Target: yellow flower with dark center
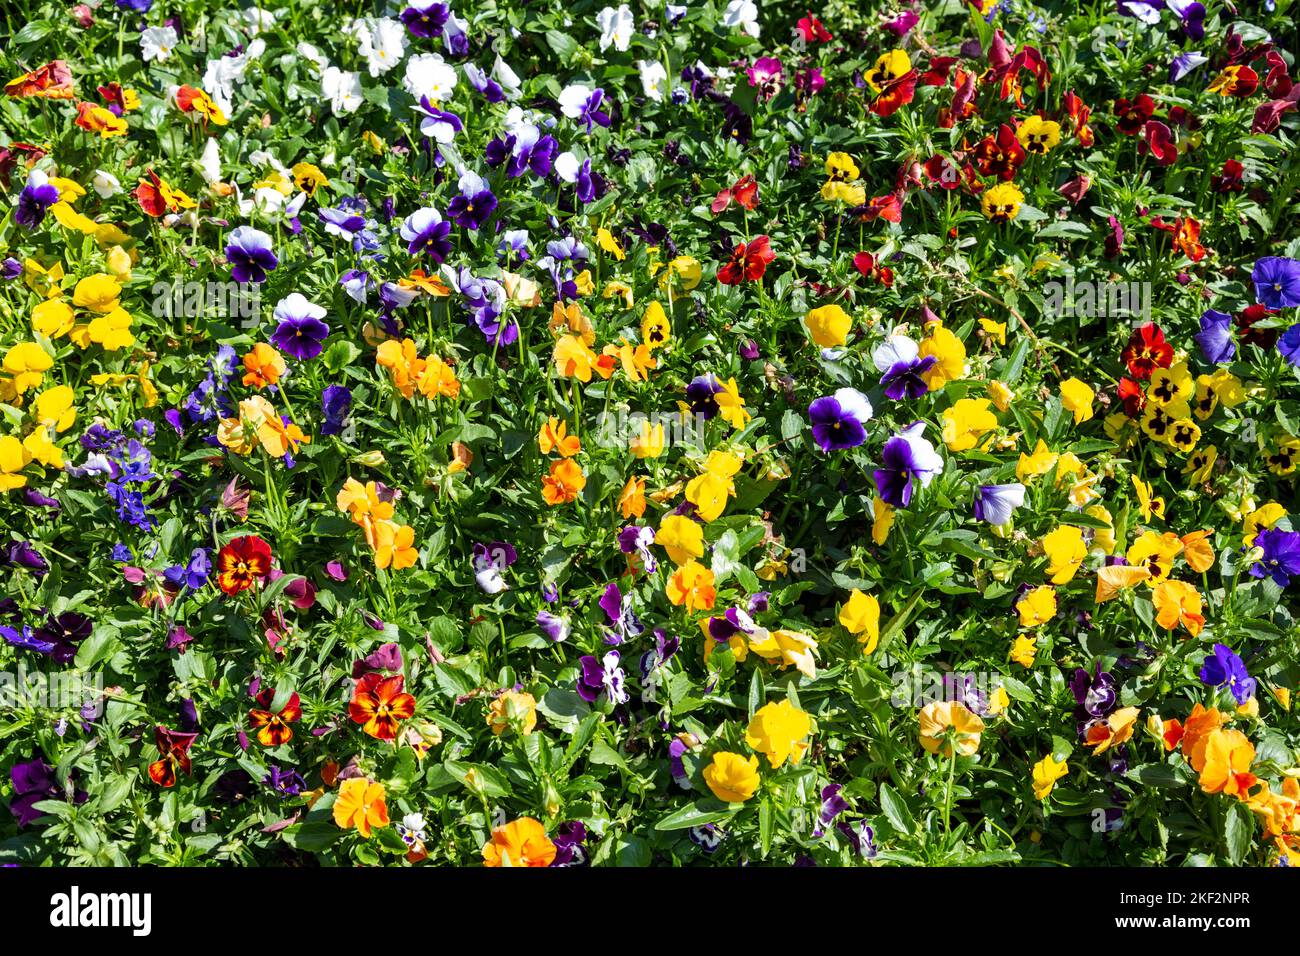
(1001, 203)
(841, 167)
(1156, 553)
(1200, 464)
(1170, 386)
(1184, 434)
(656, 331)
(1039, 136)
(889, 67)
(308, 178)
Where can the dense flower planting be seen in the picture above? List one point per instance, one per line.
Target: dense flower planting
(542, 435)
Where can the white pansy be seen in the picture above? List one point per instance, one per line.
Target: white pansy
(743, 14)
(653, 76)
(342, 89)
(157, 43)
(616, 26)
(428, 74)
(105, 184)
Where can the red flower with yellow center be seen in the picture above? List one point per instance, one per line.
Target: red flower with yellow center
(245, 561)
(175, 749)
(748, 262)
(1133, 114)
(379, 704)
(273, 728)
(1000, 155)
(1147, 351)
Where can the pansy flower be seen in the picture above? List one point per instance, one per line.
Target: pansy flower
(243, 563)
(250, 255)
(907, 460)
(839, 420)
(273, 726)
(379, 704)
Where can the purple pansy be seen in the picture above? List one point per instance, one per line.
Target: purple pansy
(907, 458)
(300, 332)
(250, 254)
(1224, 667)
(839, 421)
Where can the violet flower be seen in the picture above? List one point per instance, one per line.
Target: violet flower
(250, 255)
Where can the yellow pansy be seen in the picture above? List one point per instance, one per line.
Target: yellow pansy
(942, 719)
(53, 318)
(731, 407)
(24, 368)
(112, 331)
(13, 459)
(779, 731)
(1046, 772)
(1037, 606)
(1040, 462)
(98, 293)
(656, 331)
(949, 354)
(1076, 398)
(681, 537)
(996, 331)
(1065, 552)
(42, 449)
(1024, 649)
(648, 442)
(828, 325)
(709, 491)
(731, 777)
(791, 648)
(861, 616)
(966, 422)
(605, 239)
(53, 408)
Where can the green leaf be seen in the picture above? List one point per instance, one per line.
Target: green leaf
(1238, 832)
(695, 815)
(896, 810)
